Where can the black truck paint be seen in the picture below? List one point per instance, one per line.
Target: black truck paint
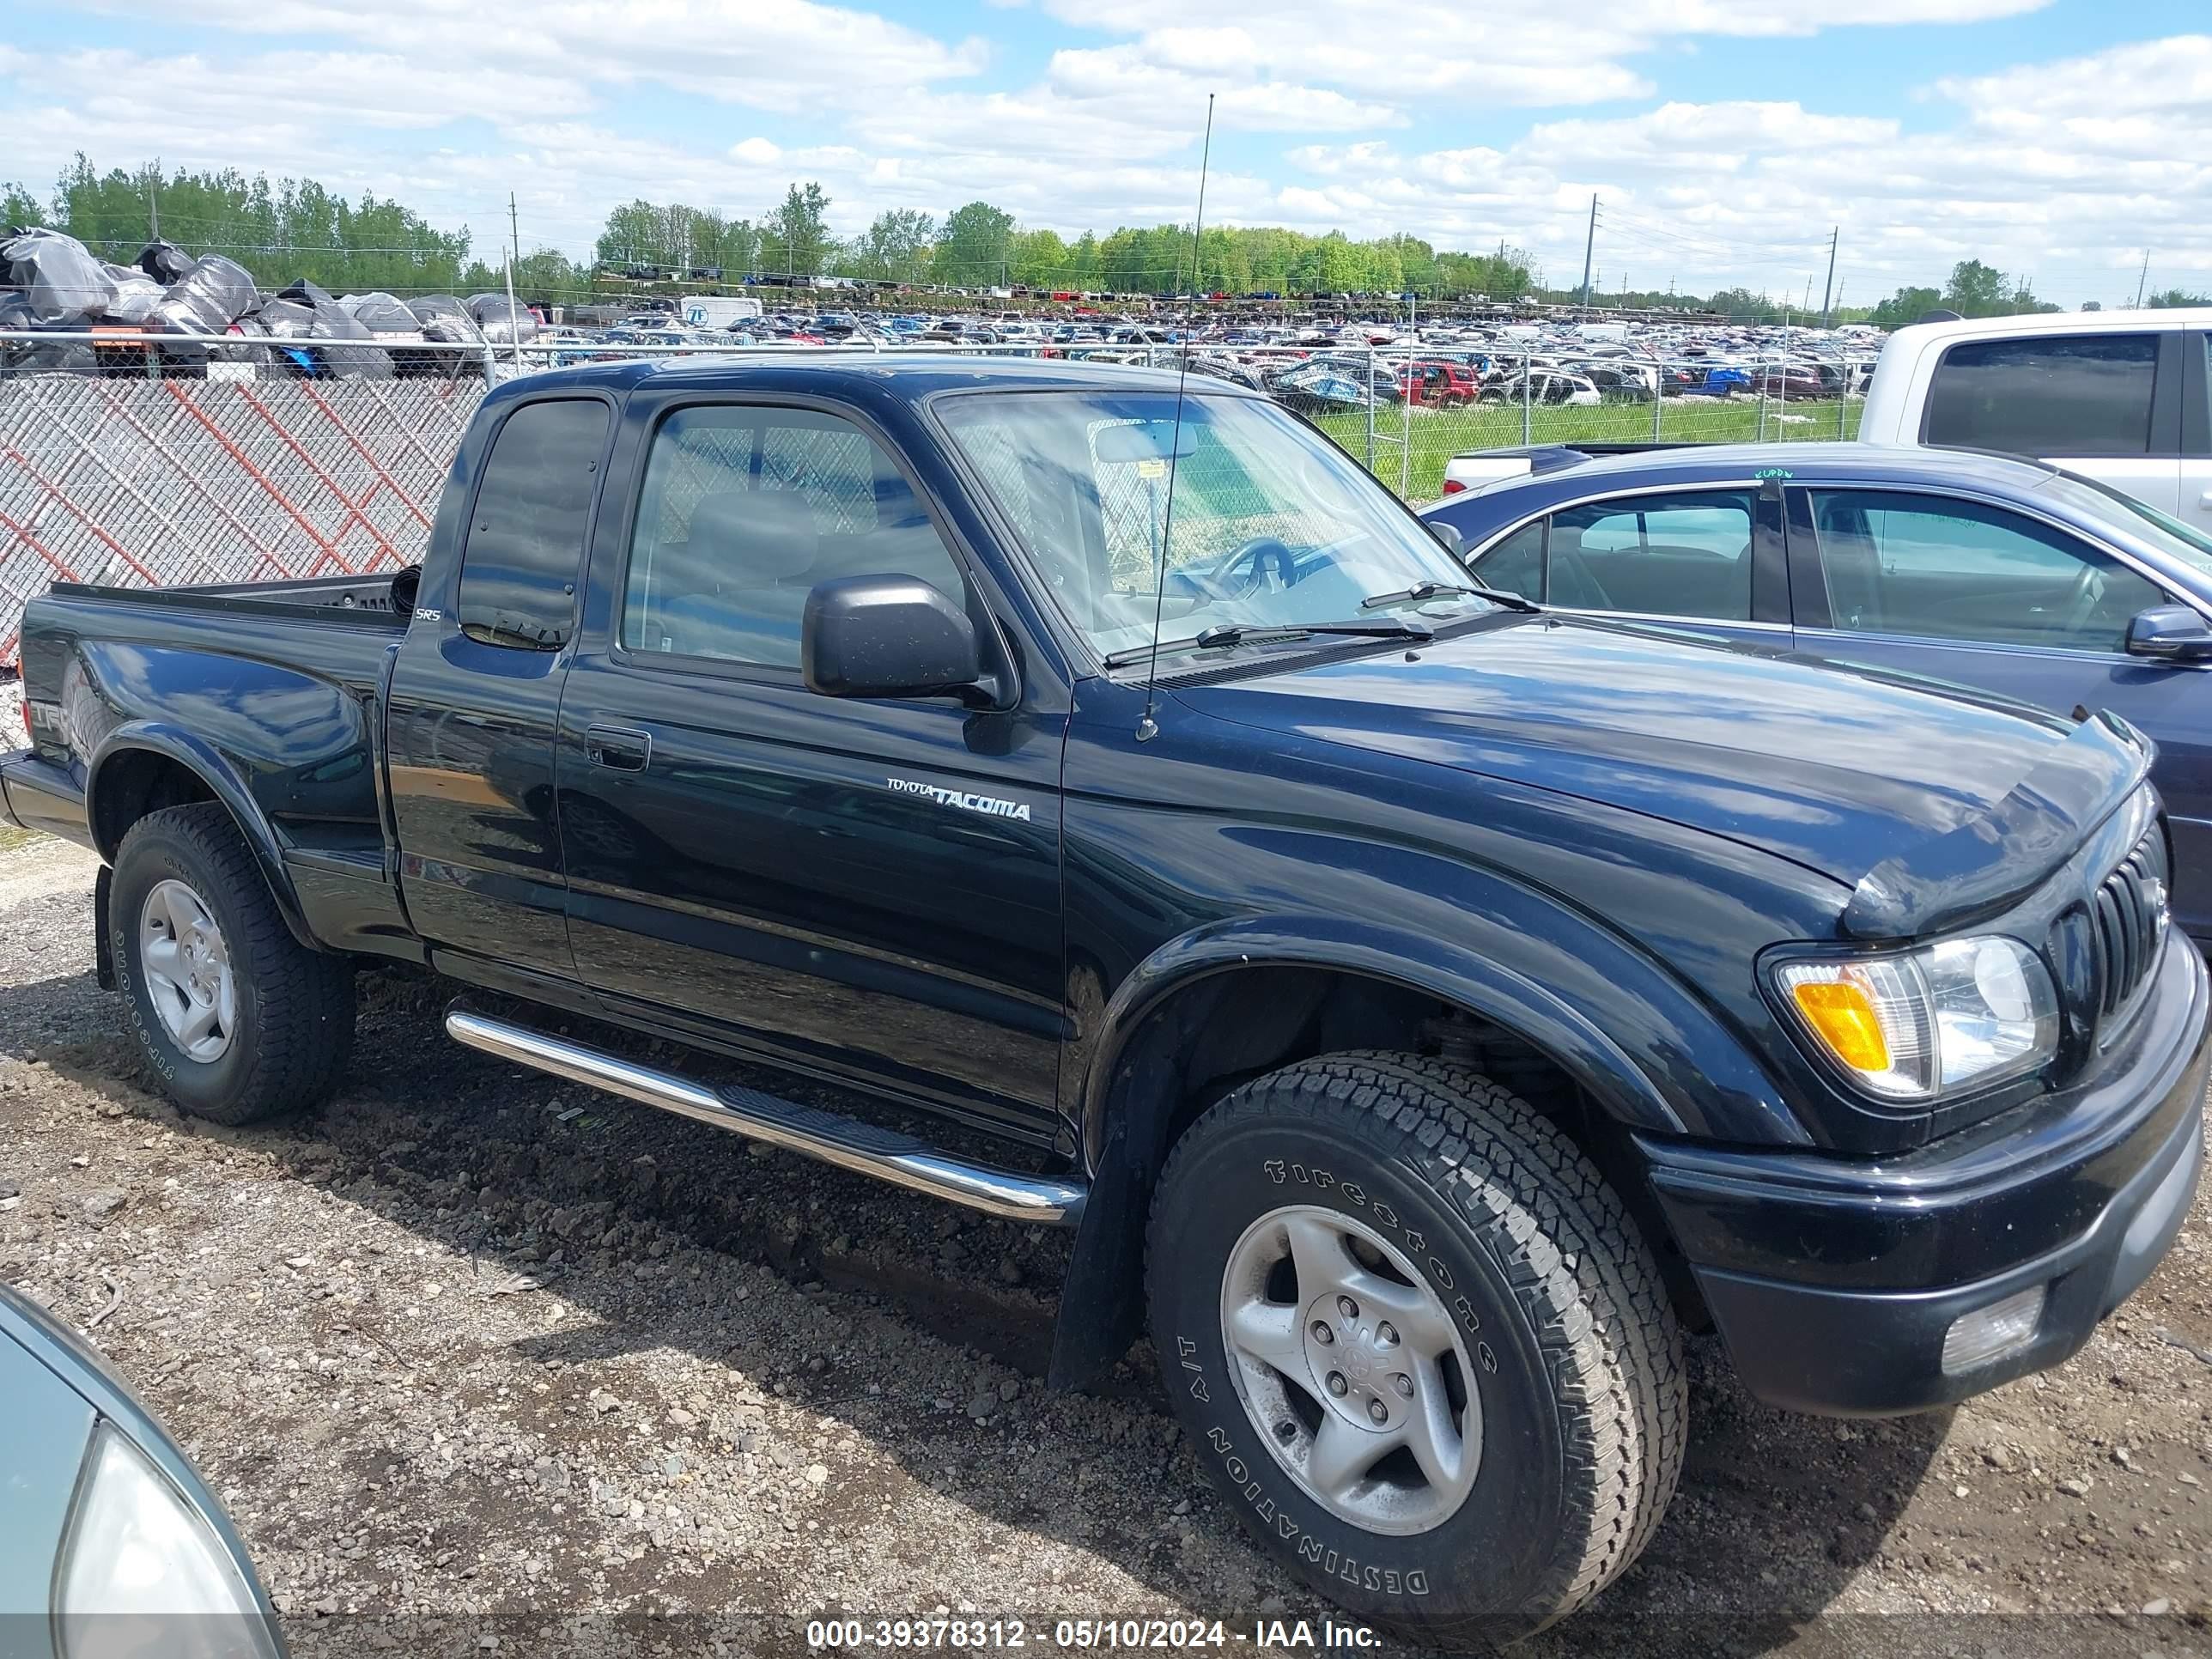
(1574, 844)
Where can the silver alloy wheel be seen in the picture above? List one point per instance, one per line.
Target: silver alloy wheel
(188, 974)
(1352, 1369)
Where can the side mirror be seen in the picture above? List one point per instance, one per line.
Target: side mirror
(2170, 633)
(1453, 543)
(886, 636)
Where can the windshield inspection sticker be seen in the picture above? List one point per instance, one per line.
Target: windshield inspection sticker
(989, 806)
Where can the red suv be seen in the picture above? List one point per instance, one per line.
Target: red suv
(1439, 385)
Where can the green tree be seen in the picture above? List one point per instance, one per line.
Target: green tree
(1906, 306)
(1979, 290)
(974, 249)
(2173, 297)
(19, 207)
(895, 248)
(795, 237)
(1038, 258)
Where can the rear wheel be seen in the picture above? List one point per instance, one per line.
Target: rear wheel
(1418, 1343)
(236, 1019)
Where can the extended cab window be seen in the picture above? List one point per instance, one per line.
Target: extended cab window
(1682, 554)
(526, 537)
(746, 509)
(1897, 562)
(2064, 395)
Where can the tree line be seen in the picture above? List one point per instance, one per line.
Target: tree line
(295, 228)
(981, 246)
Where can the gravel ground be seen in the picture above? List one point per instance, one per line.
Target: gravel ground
(479, 1361)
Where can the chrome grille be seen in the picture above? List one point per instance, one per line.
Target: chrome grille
(2128, 923)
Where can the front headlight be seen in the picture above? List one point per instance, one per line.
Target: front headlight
(141, 1574)
(1918, 1025)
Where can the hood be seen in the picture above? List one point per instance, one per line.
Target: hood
(1842, 770)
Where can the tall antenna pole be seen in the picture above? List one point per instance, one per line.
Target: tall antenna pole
(1828, 288)
(1589, 246)
(1147, 728)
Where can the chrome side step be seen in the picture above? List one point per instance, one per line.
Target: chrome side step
(900, 1159)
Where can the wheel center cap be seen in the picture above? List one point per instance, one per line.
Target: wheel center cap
(1360, 1367)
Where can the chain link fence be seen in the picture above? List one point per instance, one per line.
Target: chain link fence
(127, 463)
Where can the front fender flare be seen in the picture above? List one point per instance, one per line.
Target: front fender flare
(1124, 1137)
(213, 769)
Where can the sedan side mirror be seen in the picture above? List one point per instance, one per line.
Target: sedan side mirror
(888, 636)
(2170, 633)
(1453, 543)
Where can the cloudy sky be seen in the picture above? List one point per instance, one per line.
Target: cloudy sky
(2060, 139)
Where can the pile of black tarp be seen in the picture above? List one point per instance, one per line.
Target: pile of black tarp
(198, 312)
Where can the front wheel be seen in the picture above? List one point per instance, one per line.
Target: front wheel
(1418, 1343)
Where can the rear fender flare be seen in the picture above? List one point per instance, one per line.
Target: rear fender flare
(212, 769)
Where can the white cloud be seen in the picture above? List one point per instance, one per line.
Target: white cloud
(2060, 170)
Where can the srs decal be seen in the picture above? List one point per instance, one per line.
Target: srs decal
(989, 806)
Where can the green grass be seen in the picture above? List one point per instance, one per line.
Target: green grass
(1437, 434)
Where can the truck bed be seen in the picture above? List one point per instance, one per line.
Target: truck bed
(386, 598)
(269, 695)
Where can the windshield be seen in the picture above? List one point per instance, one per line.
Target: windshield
(1264, 524)
(2188, 546)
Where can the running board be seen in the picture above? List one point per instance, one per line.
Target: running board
(846, 1142)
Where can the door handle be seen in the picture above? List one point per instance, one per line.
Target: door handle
(2205, 500)
(617, 748)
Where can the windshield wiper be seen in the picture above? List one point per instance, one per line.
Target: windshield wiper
(1227, 634)
(1438, 590)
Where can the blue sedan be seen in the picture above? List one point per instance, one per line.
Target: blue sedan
(2001, 574)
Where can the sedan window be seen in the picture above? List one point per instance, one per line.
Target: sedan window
(1681, 554)
(1936, 567)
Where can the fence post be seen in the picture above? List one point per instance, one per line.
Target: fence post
(1843, 414)
(1527, 373)
(1762, 408)
(1406, 439)
(1658, 395)
(1370, 408)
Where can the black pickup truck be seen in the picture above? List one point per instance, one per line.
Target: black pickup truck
(1421, 1006)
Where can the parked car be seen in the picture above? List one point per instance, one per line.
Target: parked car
(1718, 380)
(2122, 396)
(1322, 388)
(1794, 382)
(1555, 387)
(1622, 382)
(1439, 385)
(1381, 981)
(1479, 467)
(114, 1544)
(2011, 576)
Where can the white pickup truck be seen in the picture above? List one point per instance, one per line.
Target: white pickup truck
(2122, 396)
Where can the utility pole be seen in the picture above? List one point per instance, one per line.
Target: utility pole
(1827, 290)
(514, 312)
(1589, 246)
(2143, 278)
(154, 204)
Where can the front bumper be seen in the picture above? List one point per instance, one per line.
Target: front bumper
(1833, 1281)
(36, 794)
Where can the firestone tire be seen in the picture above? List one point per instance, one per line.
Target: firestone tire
(1448, 1193)
(284, 1022)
